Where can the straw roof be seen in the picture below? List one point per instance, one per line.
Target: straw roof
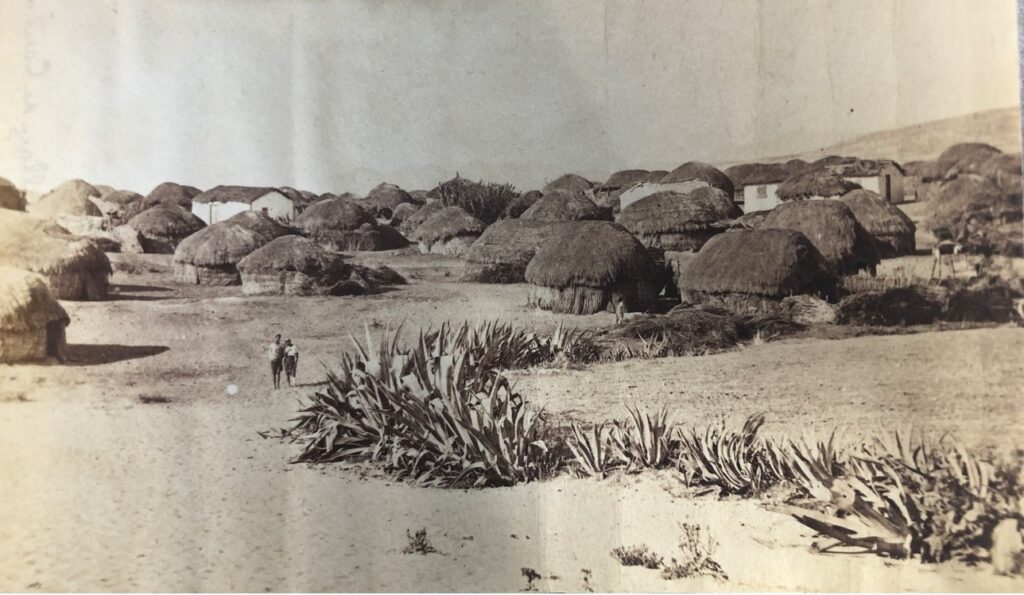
(290, 253)
(560, 205)
(172, 193)
(816, 182)
(769, 262)
(410, 223)
(26, 303)
(404, 211)
(240, 194)
(39, 246)
(833, 229)
(230, 240)
(70, 198)
(751, 220)
(697, 170)
(591, 254)
(569, 183)
(337, 214)
(965, 158)
(166, 221)
(964, 196)
(511, 240)
(121, 197)
(675, 212)
(518, 205)
(878, 216)
(446, 224)
(261, 223)
(927, 170)
(387, 196)
(756, 174)
(624, 178)
(10, 197)
(655, 176)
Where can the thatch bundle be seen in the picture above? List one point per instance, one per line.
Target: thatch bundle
(833, 229)
(814, 183)
(385, 197)
(965, 158)
(701, 172)
(679, 221)
(892, 229)
(341, 224)
(751, 270)
(571, 183)
(560, 205)
(75, 268)
(521, 203)
(10, 197)
(162, 227)
(590, 265)
(210, 256)
(410, 223)
(73, 197)
(501, 254)
(449, 231)
(419, 197)
(32, 323)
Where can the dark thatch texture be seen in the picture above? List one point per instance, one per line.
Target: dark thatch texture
(504, 250)
(162, 227)
(814, 183)
(10, 197)
(73, 197)
(589, 265)
(756, 174)
(116, 204)
(522, 202)
(343, 224)
(751, 220)
(896, 306)
(679, 221)
(386, 196)
(171, 193)
(558, 205)
(210, 256)
(240, 194)
(625, 178)
(833, 229)
(32, 323)
(655, 176)
(768, 263)
(892, 229)
(419, 197)
(410, 223)
(403, 212)
(450, 231)
(683, 331)
(965, 158)
(926, 171)
(702, 172)
(966, 198)
(570, 183)
(1005, 170)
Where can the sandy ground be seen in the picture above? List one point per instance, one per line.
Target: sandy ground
(103, 492)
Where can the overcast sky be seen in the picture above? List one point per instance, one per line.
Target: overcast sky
(335, 96)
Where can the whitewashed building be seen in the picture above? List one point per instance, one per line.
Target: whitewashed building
(221, 202)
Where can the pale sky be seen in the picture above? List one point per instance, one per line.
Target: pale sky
(338, 96)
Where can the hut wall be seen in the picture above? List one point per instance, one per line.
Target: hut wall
(276, 204)
(23, 347)
(760, 197)
(571, 300)
(202, 275)
(78, 285)
(278, 283)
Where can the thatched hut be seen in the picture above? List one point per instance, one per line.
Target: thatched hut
(968, 208)
(571, 183)
(10, 197)
(162, 227)
(814, 183)
(700, 172)
(892, 229)
(450, 231)
(655, 176)
(589, 266)
(73, 197)
(411, 222)
(608, 193)
(210, 256)
(383, 199)
(75, 268)
(517, 206)
(965, 158)
(753, 270)
(32, 323)
(679, 221)
(403, 212)
(833, 229)
(560, 205)
(501, 253)
(116, 204)
(341, 224)
(171, 193)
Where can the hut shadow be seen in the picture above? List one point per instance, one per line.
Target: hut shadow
(93, 355)
(138, 288)
(121, 293)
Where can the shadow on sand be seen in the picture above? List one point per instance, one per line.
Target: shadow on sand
(121, 293)
(92, 355)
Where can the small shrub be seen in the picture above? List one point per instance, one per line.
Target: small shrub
(697, 550)
(418, 543)
(637, 555)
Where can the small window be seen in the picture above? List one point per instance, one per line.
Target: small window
(265, 210)
(762, 191)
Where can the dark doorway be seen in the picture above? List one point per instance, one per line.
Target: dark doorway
(55, 339)
(888, 187)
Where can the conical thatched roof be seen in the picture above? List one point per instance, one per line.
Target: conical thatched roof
(337, 214)
(675, 212)
(703, 172)
(625, 178)
(73, 197)
(522, 202)
(588, 253)
(166, 221)
(831, 226)
(655, 176)
(172, 193)
(569, 183)
(26, 303)
(290, 253)
(446, 224)
(261, 223)
(403, 212)
(387, 196)
(817, 182)
(965, 158)
(10, 197)
(511, 240)
(410, 223)
(768, 262)
(230, 240)
(560, 205)
(121, 197)
(878, 216)
(756, 174)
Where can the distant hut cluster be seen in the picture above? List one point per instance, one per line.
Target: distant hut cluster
(211, 255)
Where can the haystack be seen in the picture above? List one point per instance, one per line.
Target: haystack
(589, 266)
(73, 197)
(75, 268)
(892, 228)
(449, 231)
(679, 221)
(210, 256)
(571, 183)
(701, 172)
(383, 199)
(32, 323)
(522, 202)
(560, 205)
(410, 223)
(814, 183)
(341, 224)
(833, 229)
(753, 270)
(501, 254)
(10, 197)
(162, 227)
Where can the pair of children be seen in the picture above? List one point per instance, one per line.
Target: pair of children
(283, 356)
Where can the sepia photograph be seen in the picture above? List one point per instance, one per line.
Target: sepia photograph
(511, 295)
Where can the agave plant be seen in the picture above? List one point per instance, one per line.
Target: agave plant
(645, 438)
(594, 451)
(735, 461)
